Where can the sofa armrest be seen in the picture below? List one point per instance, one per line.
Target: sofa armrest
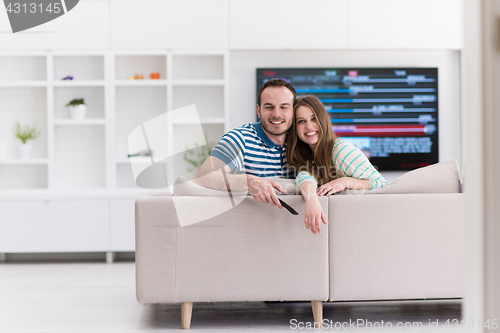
(155, 239)
(396, 246)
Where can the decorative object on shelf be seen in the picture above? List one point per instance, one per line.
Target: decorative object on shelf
(130, 78)
(69, 77)
(142, 153)
(77, 109)
(138, 77)
(25, 134)
(195, 157)
(155, 76)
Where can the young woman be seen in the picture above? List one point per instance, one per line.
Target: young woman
(320, 158)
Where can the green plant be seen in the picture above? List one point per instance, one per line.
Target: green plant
(25, 133)
(196, 157)
(76, 102)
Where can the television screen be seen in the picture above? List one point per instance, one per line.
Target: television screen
(391, 114)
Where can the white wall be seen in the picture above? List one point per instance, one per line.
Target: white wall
(243, 83)
(246, 24)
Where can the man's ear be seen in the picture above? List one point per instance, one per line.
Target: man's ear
(258, 111)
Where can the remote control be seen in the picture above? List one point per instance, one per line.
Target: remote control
(288, 208)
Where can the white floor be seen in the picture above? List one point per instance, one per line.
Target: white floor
(99, 297)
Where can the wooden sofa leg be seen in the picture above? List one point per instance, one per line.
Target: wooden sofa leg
(317, 307)
(186, 311)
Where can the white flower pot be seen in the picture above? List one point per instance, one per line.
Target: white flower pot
(24, 151)
(78, 111)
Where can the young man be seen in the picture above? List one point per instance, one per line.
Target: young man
(249, 154)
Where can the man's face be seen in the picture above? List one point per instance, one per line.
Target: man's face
(276, 110)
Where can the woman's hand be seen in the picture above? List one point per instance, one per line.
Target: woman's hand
(314, 215)
(333, 186)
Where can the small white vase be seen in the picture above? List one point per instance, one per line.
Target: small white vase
(24, 151)
(78, 111)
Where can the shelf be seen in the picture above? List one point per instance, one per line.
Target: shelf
(198, 67)
(209, 100)
(84, 122)
(79, 157)
(140, 83)
(23, 68)
(79, 83)
(80, 67)
(94, 97)
(32, 161)
(14, 176)
(28, 106)
(183, 134)
(131, 65)
(135, 106)
(22, 84)
(198, 82)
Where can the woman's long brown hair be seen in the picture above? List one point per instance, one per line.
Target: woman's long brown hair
(298, 153)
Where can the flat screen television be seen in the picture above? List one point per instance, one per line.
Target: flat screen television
(391, 114)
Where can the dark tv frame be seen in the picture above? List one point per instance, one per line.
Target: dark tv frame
(410, 165)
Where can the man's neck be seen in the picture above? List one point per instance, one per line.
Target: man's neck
(277, 139)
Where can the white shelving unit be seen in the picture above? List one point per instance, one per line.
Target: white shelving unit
(85, 161)
(23, 99)
(186, 78)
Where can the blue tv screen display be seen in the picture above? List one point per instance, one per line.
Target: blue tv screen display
(391, 114)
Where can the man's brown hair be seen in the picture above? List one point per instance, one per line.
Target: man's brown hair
(276, 83)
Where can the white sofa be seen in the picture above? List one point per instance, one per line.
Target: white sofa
(386, 244)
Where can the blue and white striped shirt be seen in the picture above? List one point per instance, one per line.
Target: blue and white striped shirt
(247, 149)
(349, 161)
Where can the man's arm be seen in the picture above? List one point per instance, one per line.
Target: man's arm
(210, 175)
(214, 172)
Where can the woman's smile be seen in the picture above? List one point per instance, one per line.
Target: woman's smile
(311, 133)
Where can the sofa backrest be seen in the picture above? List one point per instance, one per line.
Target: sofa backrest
(184, 186)
(441, 177)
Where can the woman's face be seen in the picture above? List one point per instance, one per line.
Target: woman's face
(307, 126)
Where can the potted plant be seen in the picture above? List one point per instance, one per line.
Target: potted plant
(77, 109)
(196, 157)
(25, 134)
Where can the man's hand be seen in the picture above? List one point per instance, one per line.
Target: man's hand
(263, 190)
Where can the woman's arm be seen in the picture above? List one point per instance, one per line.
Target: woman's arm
(314, 214)
(353, 163)
(355, 171)
(354, 168)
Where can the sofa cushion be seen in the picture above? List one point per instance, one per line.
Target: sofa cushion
(184, 186)
(441, 177)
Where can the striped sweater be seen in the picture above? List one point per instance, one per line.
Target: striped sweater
(247, 149)
(349, 161)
